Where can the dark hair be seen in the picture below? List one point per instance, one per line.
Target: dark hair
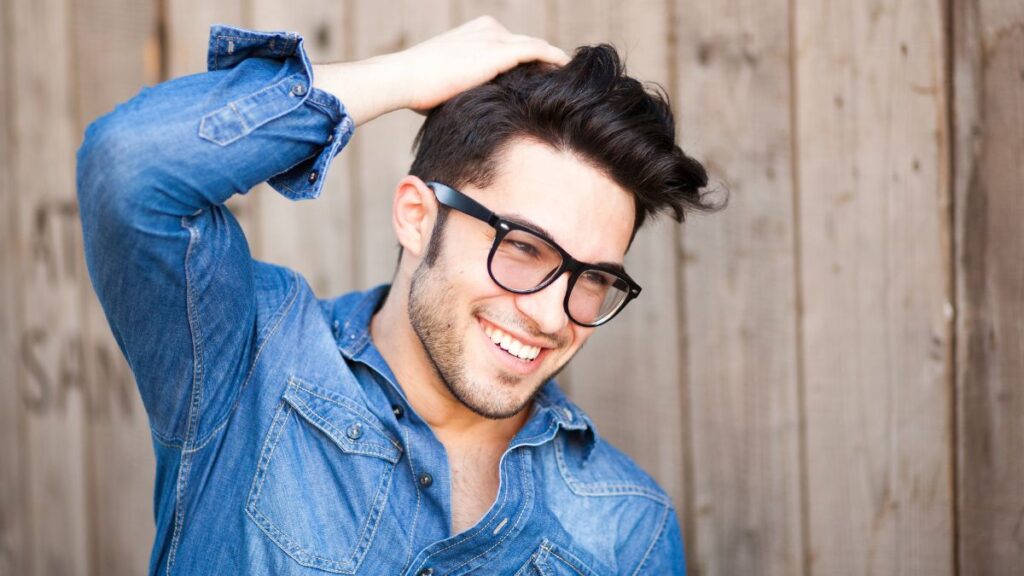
(589, 107)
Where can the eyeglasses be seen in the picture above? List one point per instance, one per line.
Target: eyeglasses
(524, 261)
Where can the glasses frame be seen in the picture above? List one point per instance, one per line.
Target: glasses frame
(456, 200)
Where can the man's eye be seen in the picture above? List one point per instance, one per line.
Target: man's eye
(596, 279)
(525, 248)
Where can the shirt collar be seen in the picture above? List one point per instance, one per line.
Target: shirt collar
(350, 322)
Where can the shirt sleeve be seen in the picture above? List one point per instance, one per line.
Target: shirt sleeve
(168, 261)
(665, 555)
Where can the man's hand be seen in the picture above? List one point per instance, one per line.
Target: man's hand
(427, 74)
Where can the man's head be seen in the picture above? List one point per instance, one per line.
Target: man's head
(589, 107)
(583, 154)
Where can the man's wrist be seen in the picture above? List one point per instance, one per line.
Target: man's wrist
(367, 88)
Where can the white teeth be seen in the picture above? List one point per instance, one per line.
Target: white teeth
(511, 345)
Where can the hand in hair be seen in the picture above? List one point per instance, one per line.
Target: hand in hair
(427, 74)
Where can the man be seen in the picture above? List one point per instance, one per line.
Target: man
(411, 429)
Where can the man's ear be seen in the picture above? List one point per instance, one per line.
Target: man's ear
(412, 215)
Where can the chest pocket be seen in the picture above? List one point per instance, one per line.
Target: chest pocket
(551, 559)
(323, 478)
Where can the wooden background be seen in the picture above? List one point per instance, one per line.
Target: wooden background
(828, 377)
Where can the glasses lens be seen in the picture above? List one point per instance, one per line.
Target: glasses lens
(523, 261)
(596, 296)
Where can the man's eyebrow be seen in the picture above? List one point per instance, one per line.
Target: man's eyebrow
(520, 220)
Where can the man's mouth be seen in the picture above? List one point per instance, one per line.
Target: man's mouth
(511, 345)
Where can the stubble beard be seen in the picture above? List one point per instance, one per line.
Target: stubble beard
(437, 330)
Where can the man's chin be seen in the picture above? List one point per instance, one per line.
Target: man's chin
(498, 409)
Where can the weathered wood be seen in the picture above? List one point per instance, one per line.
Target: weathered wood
(519, 16)
(988, 52)
(51, 384)
(111, 68)
(315, 238)
(874, 245)
(739, 285)
(627, 377)
(188, 30)
(13, 541)
(380, 152)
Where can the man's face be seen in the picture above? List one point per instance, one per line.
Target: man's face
(459, 313)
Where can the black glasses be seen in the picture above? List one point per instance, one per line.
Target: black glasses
(525, 261)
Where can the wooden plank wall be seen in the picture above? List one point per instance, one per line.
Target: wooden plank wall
(827, 377)
(988, 81)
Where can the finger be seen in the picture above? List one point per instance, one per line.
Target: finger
(485, 22)
(538, 49)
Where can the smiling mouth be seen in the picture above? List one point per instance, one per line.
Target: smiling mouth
(512, 346)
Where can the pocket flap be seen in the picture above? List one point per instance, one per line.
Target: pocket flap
(353, 428)
(240, 117)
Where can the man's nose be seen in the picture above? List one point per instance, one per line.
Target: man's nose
(546, 307)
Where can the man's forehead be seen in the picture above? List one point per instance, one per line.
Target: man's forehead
(558, 194)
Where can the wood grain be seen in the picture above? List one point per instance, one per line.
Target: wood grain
(988, 51)
(874, 247)
(380, 151)
(51, 384)
(13, 523)
(519, 16)
(738, 274)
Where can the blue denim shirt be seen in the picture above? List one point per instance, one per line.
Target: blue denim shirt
(284, 444)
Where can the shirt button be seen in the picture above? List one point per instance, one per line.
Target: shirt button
(313, 176)
(425, 572)
(298, 90)
(426, 480)
(355, 431)
(398, 410)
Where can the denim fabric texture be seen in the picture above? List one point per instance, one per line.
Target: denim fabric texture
(284, 444)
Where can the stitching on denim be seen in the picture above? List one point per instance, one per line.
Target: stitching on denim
(573, 564)
(285, 542)
(657, 536)
(374, 518)
(346, 403)
(603, 488)
(360, 343)
(472, 533)
(372, 448)
(185, 460)
(267, 453)
(525, 469)
(416, 513)
(275, 323)
(163, 442)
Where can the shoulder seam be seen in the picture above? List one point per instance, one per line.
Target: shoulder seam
(605, 488)
(263, 339)
(657, 536)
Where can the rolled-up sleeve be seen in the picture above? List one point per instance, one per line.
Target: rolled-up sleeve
(169, 263)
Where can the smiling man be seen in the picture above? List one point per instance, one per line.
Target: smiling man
(414, 428)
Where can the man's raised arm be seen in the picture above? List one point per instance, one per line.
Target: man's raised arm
(169, 263)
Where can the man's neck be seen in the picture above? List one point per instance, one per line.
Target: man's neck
(401, 348)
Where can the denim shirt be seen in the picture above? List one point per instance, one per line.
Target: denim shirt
(284, 444)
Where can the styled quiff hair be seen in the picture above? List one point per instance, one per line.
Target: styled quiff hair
(588, 107)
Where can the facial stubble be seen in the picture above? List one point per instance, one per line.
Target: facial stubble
(433, 322)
